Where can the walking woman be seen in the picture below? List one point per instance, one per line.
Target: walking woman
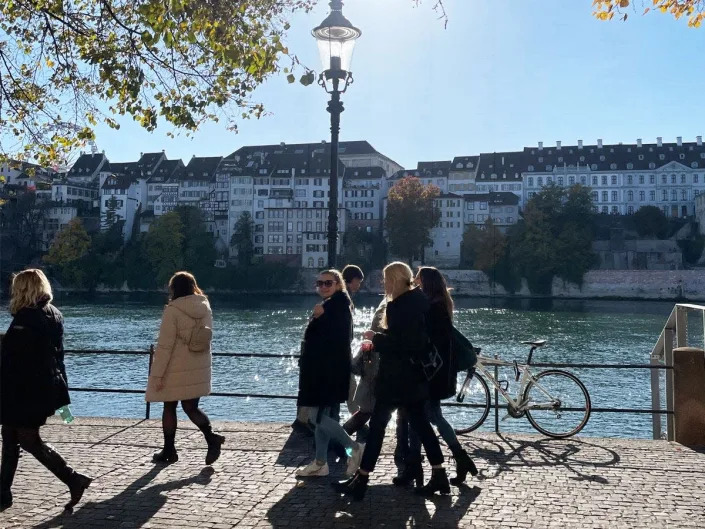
(324, 374)
(181, 367)
(33, 383)
(400, 381)
(443, 385)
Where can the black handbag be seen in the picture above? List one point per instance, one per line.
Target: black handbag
(465, 355)
(430, 361)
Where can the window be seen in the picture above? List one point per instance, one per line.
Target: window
(571, 180)
(540, 181)
(629, 179)
(630, 165)
(682, 179)
(531, 181)
(673, 179)
(605, 209)
(560, 180)
(605, 196)
(695, 179)
(595, 196)
(614, 196)
(652, 179)
(583, 180)
(604, 179)
(594, 180)
(641, 178)
(614, 179)
(613, 166)
(684, 194)
(615, 210)
(674, 194)
(652, 195)
(664, 179)
(630, 195)
(664, 195)
(630, 210)
(320, 262)
(642, 196)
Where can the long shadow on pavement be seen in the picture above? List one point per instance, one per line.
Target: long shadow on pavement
(312, 504)
(133, 507)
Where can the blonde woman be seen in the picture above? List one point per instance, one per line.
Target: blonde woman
(400, 380)
(178, 372)
(33, 383)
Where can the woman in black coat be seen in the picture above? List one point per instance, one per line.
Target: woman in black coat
(324, 375)
(34, 383)
(443, 384)
(400, 380)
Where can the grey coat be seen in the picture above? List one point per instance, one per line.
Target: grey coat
(367, 369)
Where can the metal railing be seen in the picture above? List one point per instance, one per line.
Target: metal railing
(674, 333)
(656, 411)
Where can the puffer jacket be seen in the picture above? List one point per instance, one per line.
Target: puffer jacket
(187, 375)
(33, 383)
(366, 366)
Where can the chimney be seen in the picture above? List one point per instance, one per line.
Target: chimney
(599, 143)
(540, 145)
(141, 154)
(638, 142)
(558, 145)
(679, 141)
(659, 141)
(699, 140)
(580, 144)
(282, 144)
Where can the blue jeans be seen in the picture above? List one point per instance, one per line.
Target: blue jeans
(326, 429)
(435, 416)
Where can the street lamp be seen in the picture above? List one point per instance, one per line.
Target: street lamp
(336, 38)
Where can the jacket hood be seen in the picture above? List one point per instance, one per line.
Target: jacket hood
(195, 305)
(413, 299)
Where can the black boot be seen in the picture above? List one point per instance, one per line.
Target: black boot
(215, 442)
(168, 454)
(437, 483)
(355, 486)
(463, 465)
(52, 460)
(8, 467)
(413, 471)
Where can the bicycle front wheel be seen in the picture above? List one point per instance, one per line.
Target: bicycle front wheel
(475, 397)
(557, 404)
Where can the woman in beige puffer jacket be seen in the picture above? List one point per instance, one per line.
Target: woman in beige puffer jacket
(177, 372)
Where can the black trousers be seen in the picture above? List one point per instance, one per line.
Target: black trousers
(378, 426)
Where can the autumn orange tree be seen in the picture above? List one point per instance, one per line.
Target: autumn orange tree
(693, 10)
(411, 214)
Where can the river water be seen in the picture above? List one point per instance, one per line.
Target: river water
(576, 332)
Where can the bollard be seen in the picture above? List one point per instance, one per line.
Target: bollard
(689, 396)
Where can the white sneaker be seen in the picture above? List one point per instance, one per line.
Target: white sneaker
(354, 459)
(313, 469)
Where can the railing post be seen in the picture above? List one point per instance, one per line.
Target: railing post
(496, 399)
(656, 397)
(668, 361)
(148, 406)
(681, 326)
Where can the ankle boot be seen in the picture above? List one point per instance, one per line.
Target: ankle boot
(53, 461)
(413, 471)
(463, 465)
(355, 486)
(167, 454)
(437, 483)
(8, 467)
(214, 440)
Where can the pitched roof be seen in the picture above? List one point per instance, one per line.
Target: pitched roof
(428, 169)
(131, 169)
(202, 168)
(166, 170)
(364, 173)
(149, 161)
(118, 181)
(466, 163)
(500, 166)
(87, 164)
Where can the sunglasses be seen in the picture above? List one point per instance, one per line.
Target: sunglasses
(327, 283)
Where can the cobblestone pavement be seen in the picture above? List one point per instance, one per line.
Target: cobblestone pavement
(524, 481)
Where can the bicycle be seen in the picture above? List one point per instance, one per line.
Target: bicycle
(555, 402)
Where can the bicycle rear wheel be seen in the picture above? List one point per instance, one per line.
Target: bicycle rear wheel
(557, 403)
(475, 397)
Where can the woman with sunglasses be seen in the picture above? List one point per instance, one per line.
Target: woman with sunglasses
(324, 375)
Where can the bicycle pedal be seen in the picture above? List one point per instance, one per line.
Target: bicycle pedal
(507, 416)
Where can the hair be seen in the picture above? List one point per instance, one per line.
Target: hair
(433, 284)
(401, 278)
(183, 284)
(337, 275)
(351, 272)
(29, 289)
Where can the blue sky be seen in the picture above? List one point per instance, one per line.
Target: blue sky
(503, 74)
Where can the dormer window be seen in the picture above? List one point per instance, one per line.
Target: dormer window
(613, 166)
(661, 156)
(602, 157)
(681, 156)
(652, 165)
(641, 156)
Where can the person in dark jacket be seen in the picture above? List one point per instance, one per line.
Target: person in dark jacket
(324, 373)
(400, 380)
(33, 383)
(443, 384)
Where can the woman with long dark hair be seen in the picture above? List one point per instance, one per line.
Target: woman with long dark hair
(443, 384)
(400, 380)
(324, 375)
(33, 383)
(181, 367)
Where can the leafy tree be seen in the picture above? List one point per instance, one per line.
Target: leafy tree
(162, 246)
(242, 239)
(411, 214)
(554, 238)
(692, 9)
(22, 220)
(198, 247)
(650, 221)
(68, 248)
(483, 248)
(363, 248)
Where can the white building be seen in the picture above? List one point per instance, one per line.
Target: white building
(74, 194)
(166, 171)
(362, 197)
(119, 203)
(462, 173)
(55, 220)
(167, 200)
(87, 169)
(502, 207)
(447, 235)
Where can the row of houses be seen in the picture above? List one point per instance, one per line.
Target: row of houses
(285, 189)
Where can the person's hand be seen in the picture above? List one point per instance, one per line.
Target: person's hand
(368, 335)
(318, 310)
(159, 383)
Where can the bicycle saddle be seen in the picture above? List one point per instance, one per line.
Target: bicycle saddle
(535, 343)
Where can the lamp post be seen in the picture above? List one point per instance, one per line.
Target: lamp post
(336, 38)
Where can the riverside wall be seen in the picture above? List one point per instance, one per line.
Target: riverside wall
(598, 284)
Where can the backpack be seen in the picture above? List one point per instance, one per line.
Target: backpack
(465, 355)
(201, 335)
